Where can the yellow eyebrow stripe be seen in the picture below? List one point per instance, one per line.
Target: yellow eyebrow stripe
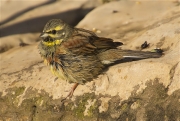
(58, 27)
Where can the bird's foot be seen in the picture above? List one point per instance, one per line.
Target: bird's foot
(71, 92)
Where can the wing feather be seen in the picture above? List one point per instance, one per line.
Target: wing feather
(86, 42)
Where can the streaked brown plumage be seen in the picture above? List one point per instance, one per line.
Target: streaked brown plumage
(79, 55)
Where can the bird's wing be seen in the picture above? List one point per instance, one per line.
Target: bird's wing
(104, 43)
(79, 45)
(99, 42)
(84, 42)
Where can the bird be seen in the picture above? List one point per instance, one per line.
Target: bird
(78, 55)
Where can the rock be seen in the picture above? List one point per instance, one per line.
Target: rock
(140, 90)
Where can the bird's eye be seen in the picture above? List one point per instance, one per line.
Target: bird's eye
(53, 31)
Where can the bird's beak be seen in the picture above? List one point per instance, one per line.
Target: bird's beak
(44, 35)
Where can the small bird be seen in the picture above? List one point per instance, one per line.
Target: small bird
(78, 55)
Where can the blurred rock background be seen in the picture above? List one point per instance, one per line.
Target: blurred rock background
(142, 90)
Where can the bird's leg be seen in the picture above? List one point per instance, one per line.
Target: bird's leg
(71, 91)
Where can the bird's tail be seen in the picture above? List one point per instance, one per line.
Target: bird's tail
(139, 54)
(110, 56)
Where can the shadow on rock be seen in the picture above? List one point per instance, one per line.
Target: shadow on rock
(72, 17)
(26, 10)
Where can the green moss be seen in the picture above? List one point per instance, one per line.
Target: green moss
(12, 95)
(124, 107)
(69, 106)
(92, 109)
(81, 106)
(79, 110)
(19, 91)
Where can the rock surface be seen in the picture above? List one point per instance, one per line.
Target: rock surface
(139, 90)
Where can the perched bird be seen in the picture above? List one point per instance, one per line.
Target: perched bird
(78, 55)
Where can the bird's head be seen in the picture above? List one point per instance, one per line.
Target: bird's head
(54, 32)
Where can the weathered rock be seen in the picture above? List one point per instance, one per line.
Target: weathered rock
(140, 90)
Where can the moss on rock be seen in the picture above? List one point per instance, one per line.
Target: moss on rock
(153, 103)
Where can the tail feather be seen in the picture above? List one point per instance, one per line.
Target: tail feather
(140, 54)
(113, 55)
